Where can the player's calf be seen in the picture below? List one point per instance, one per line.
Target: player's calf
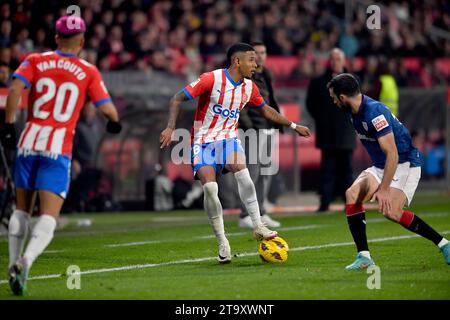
(414, 224)
(213, 208)
(356, 219)
(18, 226)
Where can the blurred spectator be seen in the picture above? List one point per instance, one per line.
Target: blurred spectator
(389, 94)
(384, 87)
(87, 137)
(4, 75)
(163, 190)
(335, 135)
(4, 82)
(302, 73)
(5, 33)
(251, 119)
(126, 34)
(349, 42)
(407, 77)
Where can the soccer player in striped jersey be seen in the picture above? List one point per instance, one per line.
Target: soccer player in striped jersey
(58, 83)
(216, 147)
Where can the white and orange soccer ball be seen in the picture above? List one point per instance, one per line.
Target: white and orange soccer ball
(274, 250)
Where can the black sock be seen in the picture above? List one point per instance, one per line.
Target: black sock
(422, 228)
(357, 225)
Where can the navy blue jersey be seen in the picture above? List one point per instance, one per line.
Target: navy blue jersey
(375, 120)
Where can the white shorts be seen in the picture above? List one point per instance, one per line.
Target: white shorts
(405, 178)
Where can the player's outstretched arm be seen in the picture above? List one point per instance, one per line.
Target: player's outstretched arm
(387, 144)
(174, 107)
(8, 132)
(110, 113)
(272, 115)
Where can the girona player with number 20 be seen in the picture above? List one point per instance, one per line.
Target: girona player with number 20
(58, 82)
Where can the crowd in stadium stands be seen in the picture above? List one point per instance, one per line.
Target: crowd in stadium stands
(187, 37)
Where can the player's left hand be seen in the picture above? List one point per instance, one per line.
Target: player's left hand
(113, 127)
(166, 137)
(303, 131)
(384, 201)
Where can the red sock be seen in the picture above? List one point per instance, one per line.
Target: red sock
(406, 219)
(352, 209)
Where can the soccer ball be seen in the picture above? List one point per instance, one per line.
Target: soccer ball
(274, 250)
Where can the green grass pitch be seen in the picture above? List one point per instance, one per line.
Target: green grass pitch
(172, 256)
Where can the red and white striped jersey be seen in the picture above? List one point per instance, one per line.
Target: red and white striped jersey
(59, 84)
(221, 100)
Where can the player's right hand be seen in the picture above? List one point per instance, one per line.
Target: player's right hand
(384, 201)
(166, 137)
(8, 135)
(303, 131)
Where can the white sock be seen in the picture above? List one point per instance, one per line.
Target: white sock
(366, 254)
(442, 243)
(214, 209)
(247, 193)
(40, 238)
(17, 230)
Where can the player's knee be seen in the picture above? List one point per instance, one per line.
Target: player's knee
(244, 179)
(351, 194)
(236, 167)
(394, 215)
(211, 189)
(18, 223)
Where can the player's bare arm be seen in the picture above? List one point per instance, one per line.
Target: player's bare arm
(8, 131)
(387, 144)
(174, 106)
(14, 94)
(109, 111)
(272, 115)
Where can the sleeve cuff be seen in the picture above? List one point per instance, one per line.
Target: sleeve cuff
(102, 101)
(21, 77)
(383, 133)
(260, 106)
(187, 94)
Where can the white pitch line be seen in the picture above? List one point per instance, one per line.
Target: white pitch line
(312, 226)
(425, 216)
(233, 234)
(53, 251)
(129, 244)
(246, 254)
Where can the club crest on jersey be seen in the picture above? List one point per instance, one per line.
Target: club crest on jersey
(226, 113)
(365, 126)
(380, 123)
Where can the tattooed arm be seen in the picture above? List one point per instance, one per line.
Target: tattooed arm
(174, 106)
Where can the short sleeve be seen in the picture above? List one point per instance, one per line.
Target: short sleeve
(97, 89)
(25, 71)
(256, 100)
(200, 86)
(380, 123)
